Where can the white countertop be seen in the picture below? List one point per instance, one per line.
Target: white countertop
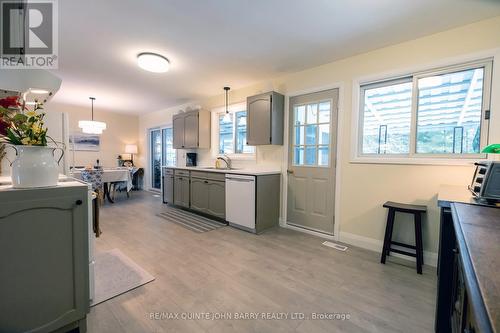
(64, 181)
(237, 171)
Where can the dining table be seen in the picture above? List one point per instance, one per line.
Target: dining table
(110, 176)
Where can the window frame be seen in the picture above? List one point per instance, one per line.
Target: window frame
(233, 110)
(317, 145)
(412, 155)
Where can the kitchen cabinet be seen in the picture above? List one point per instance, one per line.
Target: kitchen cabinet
(216, 198)
(204, 191)
(199, 194)
(265, 119)
(468, 285)
(181, 188)
(168, 185)
(208, 194)
(44, 256)
(253, 202)
(191, 130)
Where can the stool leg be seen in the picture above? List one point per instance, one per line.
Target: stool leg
(388, 235)
(418, 243)
(391, 228)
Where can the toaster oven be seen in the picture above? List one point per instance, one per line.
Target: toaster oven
(486, 182)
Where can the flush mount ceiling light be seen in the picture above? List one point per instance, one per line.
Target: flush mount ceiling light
(39, 91)
(153, 62)
(91, 126)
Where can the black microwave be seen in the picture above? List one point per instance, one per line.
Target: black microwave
(486, 182)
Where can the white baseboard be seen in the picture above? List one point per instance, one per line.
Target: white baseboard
(372, 244)
(310, 232)
(430, 258)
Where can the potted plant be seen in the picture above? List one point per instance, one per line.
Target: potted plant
(24, 130)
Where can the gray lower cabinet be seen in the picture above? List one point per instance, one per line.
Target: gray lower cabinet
(216, 198)
(44, 259)
(181, 190)
(168, 185)
(199, 194)
(208, 196)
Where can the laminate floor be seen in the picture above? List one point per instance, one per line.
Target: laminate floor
(220, 281)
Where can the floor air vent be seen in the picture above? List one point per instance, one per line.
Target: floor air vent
(335, 246)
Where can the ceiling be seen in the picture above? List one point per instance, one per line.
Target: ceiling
(227, 42)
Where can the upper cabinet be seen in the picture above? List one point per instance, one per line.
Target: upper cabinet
(265, 117)
(191, 129)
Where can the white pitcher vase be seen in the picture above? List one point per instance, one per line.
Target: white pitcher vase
(35, 166)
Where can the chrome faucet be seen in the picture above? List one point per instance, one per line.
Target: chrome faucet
(226, 160)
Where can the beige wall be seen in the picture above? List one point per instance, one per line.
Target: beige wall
(365, 187)
(121, 130)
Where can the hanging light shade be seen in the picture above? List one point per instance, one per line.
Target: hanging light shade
(227, 116)
(92, 126)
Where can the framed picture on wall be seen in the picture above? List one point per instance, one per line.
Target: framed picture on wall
(84, 142)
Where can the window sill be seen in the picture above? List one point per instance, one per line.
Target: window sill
(416, 161)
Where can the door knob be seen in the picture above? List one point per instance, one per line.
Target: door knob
(290, 172)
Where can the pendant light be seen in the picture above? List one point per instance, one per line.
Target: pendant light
(227, 116)
(91, 126)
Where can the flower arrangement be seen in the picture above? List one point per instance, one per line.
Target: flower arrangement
(21, 126)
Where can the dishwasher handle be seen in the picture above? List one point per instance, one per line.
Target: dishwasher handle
(246, 179)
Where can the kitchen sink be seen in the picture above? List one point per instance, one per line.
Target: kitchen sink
(214, 168)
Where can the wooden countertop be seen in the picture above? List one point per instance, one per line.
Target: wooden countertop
(478, 235)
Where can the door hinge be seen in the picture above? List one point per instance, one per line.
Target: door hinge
(487, 114)
(270, 139)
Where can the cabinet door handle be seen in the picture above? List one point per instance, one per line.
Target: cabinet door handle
(79, 202)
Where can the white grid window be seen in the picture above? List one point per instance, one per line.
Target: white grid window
(441, 113)
(311, 142)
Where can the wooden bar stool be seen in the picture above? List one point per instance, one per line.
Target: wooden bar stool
(416, 210)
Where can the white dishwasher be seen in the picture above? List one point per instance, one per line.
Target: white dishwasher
(240, 201)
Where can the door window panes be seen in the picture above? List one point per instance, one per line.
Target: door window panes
(387, 118)
(323, 155)
(300, 115)
(449, 113)
(312, 134)
(324, 134)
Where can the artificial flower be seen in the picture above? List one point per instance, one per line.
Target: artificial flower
(11, 101)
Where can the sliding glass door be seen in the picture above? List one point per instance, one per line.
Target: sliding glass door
(156, 158)
(162, 153)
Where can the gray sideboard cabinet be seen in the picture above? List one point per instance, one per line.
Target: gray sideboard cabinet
(265, 119)
(44, 258)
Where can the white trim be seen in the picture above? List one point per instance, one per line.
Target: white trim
(310, 232)
(444, 64)
(430, 258)
(215, 114)
(338, 157)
